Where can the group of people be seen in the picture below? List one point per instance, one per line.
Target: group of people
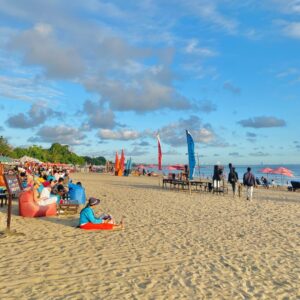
(50, 185)
(249, 181)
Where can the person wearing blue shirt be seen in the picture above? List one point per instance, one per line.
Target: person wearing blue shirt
(88, 220)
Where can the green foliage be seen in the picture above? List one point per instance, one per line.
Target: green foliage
(57, 153)
(5, 148)
(98, 161)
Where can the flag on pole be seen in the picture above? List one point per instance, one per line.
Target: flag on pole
(122, 164)
(159, 153)
(191, 154)
(117, 164)
(128, 167)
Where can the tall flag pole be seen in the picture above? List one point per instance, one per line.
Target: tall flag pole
(159, 153)
(191, 154)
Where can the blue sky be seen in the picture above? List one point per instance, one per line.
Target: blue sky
(105, 75)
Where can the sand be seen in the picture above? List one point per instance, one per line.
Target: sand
(175, 246)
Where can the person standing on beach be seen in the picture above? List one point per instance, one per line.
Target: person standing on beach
(249, 182)
(217, 176)
(233, 179)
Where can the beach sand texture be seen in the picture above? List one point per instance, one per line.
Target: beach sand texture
(175, 246)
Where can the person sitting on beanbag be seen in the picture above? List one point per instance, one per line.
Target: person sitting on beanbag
(88, 220)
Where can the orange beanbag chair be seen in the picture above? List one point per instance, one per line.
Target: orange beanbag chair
(102, 226)
(29, 208)
(2, 182)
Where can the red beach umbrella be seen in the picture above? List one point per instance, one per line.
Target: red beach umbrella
(283, 172)
(171, 168)
(266, 170)
(140, 167)
(151, 166)
(178, 167)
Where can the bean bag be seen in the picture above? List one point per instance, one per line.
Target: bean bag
(2, 182)
(77, 194)
(102, 226)
(29, 208)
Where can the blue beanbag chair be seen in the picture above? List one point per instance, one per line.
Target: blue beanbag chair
(77, 193)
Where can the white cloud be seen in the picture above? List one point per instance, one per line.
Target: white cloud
(125, 135)
(98, 117)
(193, 48)
(37, 115)
(174, 133)
(262, 122)
(59, 134)
(39, 46)
(292, 29)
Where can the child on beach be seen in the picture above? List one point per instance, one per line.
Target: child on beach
(88, 220)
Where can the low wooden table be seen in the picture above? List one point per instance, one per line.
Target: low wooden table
(68, 208)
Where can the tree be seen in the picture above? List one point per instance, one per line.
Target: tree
(5, 148)
(97, 161)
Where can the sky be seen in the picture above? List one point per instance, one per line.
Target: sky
(102, 76)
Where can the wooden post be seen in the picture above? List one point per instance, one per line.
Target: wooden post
(14, 187)
(9, 213)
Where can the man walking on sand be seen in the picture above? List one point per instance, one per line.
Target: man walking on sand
(249, 182)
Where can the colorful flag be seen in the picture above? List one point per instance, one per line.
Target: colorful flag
(159, 153)
(191, 153)
(117, 164)
(128, 167)
(122, 164)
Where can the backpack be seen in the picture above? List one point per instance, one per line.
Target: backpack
(248, 179)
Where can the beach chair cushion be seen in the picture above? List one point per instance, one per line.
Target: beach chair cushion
(101, 226)
(29, 208)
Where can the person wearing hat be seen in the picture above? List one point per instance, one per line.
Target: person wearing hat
(88, 220)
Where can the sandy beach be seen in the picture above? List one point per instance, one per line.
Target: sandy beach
(175, 246)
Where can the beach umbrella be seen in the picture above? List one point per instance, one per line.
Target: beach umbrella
(171, 168)
(179, 167)
(151, 166)
(266, 170)
(5, 159)
(283, 172)
(140, 167)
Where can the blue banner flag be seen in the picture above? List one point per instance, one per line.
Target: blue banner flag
(191, 153)
(128, 167)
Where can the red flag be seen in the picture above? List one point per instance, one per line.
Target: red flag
(159, 153)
